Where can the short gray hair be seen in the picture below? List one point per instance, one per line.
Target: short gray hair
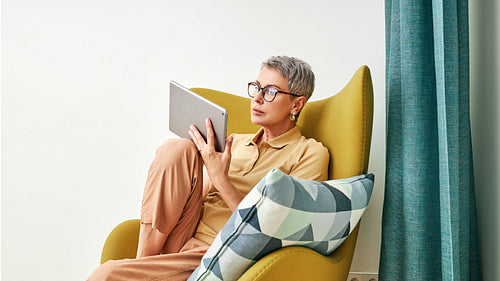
(298, 73)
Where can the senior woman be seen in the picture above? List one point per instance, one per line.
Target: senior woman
(183, 209)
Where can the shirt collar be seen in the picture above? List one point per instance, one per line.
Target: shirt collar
(280, 141)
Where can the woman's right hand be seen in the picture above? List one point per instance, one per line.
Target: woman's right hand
(217, 164)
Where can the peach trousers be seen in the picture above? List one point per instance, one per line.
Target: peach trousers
(172, 203)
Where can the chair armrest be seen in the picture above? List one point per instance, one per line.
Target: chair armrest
(122, 241)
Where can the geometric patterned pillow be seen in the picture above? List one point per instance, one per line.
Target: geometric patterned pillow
(283, 211)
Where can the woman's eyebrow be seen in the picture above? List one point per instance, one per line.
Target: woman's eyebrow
(260, 85)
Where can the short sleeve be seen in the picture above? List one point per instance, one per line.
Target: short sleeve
(313, 164)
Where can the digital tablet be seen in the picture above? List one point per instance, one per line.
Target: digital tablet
(188, 108)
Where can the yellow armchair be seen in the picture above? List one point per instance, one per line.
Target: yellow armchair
(343, 123)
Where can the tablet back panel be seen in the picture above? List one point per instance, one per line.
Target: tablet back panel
(187, 107)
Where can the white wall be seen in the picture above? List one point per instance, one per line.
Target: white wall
(84, 106)
(485, 121)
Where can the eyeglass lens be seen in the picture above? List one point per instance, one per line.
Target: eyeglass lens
(268, 93)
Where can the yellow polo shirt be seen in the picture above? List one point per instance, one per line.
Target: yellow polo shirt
(291, 152)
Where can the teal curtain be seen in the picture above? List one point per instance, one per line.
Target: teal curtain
(429, 223)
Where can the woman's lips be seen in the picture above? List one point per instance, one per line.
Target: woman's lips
(256, 111)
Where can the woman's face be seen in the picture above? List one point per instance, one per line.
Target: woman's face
(273, 116)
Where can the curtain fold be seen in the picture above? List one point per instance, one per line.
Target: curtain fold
(429, 223)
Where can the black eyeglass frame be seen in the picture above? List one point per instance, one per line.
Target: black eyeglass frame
(262, 90)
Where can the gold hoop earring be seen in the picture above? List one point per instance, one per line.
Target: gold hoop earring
(292, 117)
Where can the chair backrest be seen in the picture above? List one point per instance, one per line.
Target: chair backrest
(343, 122)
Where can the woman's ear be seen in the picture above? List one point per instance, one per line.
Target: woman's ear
(299, 103)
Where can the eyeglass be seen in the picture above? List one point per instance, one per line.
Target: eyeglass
(268, 92)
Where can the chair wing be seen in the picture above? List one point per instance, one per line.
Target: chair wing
(343, 123)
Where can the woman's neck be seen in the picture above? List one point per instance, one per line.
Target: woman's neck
(270, 134)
